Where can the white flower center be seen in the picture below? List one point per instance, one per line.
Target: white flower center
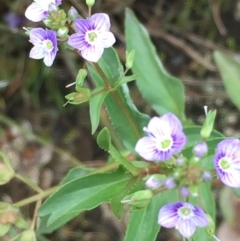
(224, 164)
(185, 213)
(48, 45)
(164, 143)
(91, 37)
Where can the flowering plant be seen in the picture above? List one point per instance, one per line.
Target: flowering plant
(167, 183)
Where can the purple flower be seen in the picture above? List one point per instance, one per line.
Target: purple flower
(92, 36)
(200, 149)
(169, 183)
(185, 191)
(12, 19)
(45, 45)
(227, 162)
(165, 138)
(183, 216)
(154, 181)
(39, 9)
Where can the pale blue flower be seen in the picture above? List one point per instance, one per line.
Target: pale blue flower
(165, 138)
(92, 36)
(39, 9)
(183, 216)
(45, 45)
(227, 162)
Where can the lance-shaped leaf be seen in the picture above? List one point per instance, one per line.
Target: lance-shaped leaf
(164, 92)
(230, 72)
(84, 194)
(97, 98)
(125, 118)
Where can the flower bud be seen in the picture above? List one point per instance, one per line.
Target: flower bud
(6, 174)
(62, 32)
(90, 3)
(169, 183)
(82, 73)
(129, 59)
(208, 125)
(139, 199)
(185, 191)
(155, 181)
(72, 14)
(200, 149)
(28, 235)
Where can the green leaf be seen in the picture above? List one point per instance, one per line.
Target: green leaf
(116, 204)
(96, 101)
(76, 172)
(164, 92)
(4, 228)
(104, 139)
(84, 194)
(125, 80)
(230, 72)
(125, 118)
(143, 223)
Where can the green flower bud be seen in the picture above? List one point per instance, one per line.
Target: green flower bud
(6, 174)
(72, 14)
(90, 3)
(62, 32)
(82, 73)
(208, 125)
(139, 199)
(28, 235)
(129, 59)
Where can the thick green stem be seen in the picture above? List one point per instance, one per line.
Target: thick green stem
(119, 101)
(36, 197)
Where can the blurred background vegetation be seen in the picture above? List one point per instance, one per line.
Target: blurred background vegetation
(43, 138)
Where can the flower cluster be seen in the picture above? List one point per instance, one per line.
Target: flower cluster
(163, 145)
(91, 35)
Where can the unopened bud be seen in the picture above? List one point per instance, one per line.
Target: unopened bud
(155, 181)
(129, 59)
(9, 217)
(139, 199)
(6, 174)
(90, 3)
(28, 235)
(62, 32)
(82, 73)
(208, 125)
(72, 14)
(200, 149)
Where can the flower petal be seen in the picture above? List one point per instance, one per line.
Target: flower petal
(168, 216)
(78, 41)
(107, 39)
(37, 53)
(92, 53)
(36, 13)
(82, 25)
(37, 36)
(100, 22)
(186, 228)
(49, 58)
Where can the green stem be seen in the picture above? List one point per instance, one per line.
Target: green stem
(29, 183)
(36, 197)
(118, 100)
